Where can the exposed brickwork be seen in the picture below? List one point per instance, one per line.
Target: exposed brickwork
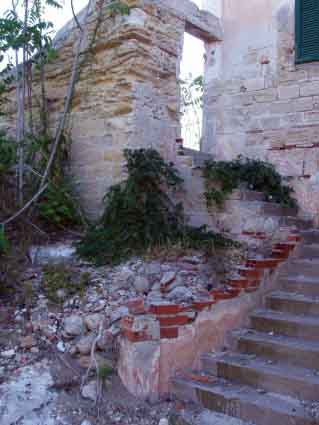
(173, 316)
(269, 367)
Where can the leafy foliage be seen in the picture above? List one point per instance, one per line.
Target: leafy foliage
(57, 207)
(14, 34)
(256, 174)
(118, 7)
(60, 281)
(7, 154)
(139, 214)
(4, 244)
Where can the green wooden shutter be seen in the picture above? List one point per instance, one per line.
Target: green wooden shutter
(307, 31)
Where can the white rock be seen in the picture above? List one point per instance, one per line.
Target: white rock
(85, 344)
(163, 421)
(8, 354)
(141, 284)
(119, 313)
(61, 294)
(26, 398)
(86, 422)
(52, 254)
(89, 391)
(93, 321)
(60, 346)
(124, 278)
(181, 293)
(74, 325)
(153, 269)
(114, 330)
(168, 277)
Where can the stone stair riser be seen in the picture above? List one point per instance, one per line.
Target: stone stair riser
(285, 328)
(296, 306)
(260, 379)
(307, 288)
(298, 355)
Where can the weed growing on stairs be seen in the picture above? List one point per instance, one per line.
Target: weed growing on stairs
(140, 214)
(222, 177)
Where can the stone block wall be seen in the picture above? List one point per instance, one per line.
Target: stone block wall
(258, 102)
(127, 95)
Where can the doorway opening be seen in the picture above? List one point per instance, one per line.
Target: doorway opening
(192, 86)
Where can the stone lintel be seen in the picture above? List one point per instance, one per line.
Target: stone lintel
(199, 23)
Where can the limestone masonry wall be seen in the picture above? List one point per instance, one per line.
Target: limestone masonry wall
(258, 102)
(127, 95)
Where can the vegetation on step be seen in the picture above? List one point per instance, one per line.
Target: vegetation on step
(140, 214)
(222, 177)
(61, 281)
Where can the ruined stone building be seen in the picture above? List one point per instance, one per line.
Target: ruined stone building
(260, 88)
(261, 100)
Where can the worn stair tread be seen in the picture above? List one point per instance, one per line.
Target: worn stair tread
(231, 391)
(314, 245)
(293, 296)
(306, 261)
(263, 367)
(309, 232)
(192, 415)
(292, 343)
(300, 279)
(286, 317)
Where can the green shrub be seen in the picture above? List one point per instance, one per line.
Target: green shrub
(139, 214)
(257, 175)
(7, 154)
(4, 244)
(57, 207)
(63, 277)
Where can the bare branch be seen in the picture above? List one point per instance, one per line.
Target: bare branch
(25, 207)
(75, 17)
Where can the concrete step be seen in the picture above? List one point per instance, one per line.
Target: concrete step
(262, 373)
(294, 351)
(296, 222)
(272, 209)
(278, 323)
(290, 302)
(246, 403)
(194, 415)
(309, 251)
(304, 267)
(307, 286)
(310, 236)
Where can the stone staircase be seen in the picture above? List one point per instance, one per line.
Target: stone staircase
(269, 375)
(245, 213)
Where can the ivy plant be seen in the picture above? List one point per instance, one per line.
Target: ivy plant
(222, 177)
(140, 214)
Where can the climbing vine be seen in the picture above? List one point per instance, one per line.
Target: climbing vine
(140, 215)
(38, 167)
(222, 177)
